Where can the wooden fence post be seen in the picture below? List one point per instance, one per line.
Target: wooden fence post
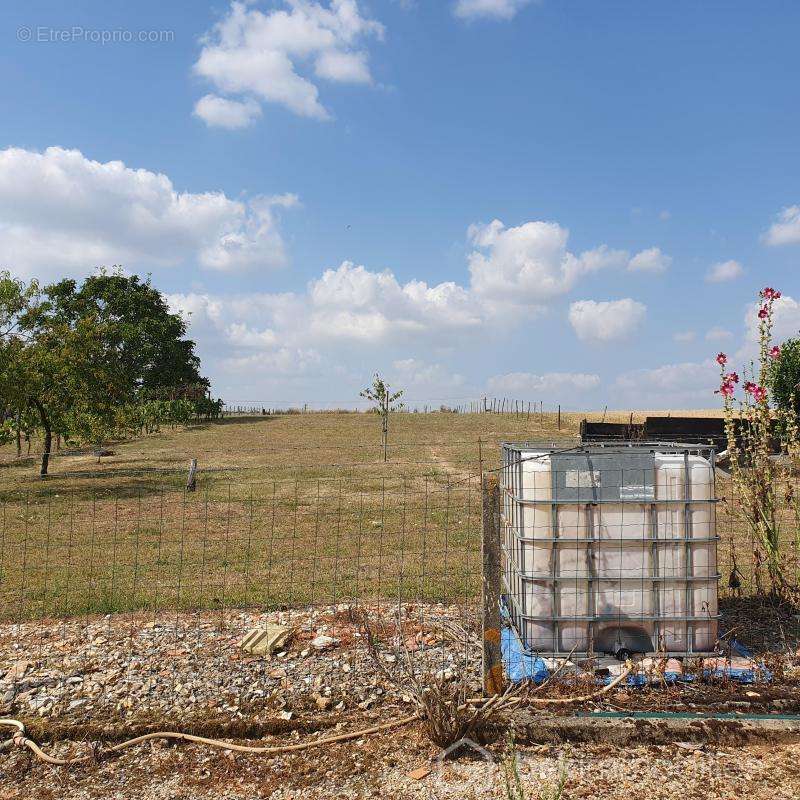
(191, 480)
(492, 655)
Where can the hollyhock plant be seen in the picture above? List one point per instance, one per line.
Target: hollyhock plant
(751, 426)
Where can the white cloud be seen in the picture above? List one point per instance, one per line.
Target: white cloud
(223, 113)
(724, 271)
(342, 67)
(488, 9)
(530, 264)
(684, 337)
(426, 380)
(272, 55)
(61, 212)
(686, 385)
(650, 260)
(785, 324)
(605, 321)
(285, 361)
(787, 228)
(549, 383)
(354, 303)
(717, 334)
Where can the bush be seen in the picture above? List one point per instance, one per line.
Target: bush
(785, 377)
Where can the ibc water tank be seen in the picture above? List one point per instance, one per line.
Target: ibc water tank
(611, 549)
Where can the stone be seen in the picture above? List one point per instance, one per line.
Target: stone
(323, 642)
(264, 641)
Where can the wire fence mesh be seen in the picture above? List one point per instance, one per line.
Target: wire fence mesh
(147, 587)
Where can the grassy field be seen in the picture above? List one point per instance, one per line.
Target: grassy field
(289, 509)
(315, 445)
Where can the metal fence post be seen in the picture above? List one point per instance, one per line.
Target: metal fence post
(492, 658)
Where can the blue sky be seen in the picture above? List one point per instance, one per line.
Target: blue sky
(529, 199)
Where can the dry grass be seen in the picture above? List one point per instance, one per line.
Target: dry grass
(289, 509)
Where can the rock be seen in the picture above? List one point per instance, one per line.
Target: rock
(323, 642)
(18, 670)
(419, 773)
(323, 703)
(265, 640)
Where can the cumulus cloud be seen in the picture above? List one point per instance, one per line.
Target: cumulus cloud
(272, 56)
(605, 321)
(687, 385)
(220, 112)
(684, 337)
(426, 380)
(785, 324)
(650, 260)
(284, 361)
(786, 229)
(354, 303)
(530, 264)
(488, 9)
(61, 212)
(548, 384)
(724, 271)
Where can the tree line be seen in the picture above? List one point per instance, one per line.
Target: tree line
(88, 362)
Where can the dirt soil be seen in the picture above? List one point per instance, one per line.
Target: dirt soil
(390, 765)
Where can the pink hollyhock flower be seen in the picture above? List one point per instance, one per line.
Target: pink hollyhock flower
(749, 387)
(732, 377)
(768, 293)
(722, 359)
(775, 353)
(763, 312)
(726, 389)
(759, 394)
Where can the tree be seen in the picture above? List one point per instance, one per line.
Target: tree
(153, 347)
(384, 403)
(784, 381)
(16, 299)
(82, 356)
(74, 376)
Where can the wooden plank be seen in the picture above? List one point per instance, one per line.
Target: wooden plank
(493, 679)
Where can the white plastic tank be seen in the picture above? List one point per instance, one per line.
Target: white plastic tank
(611, 549)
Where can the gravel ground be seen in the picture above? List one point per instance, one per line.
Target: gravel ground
(383, 766)
(107, 678)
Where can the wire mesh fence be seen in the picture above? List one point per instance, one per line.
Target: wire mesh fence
(151, 585)
(270, 544)
(130, 594)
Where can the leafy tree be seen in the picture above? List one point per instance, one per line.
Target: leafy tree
(153, 347)
(16, 299)
(74, 377)
(84, 358)
(384, 403)
(785, 376)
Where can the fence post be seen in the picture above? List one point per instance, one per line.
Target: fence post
(191, 480)
(492, 657)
